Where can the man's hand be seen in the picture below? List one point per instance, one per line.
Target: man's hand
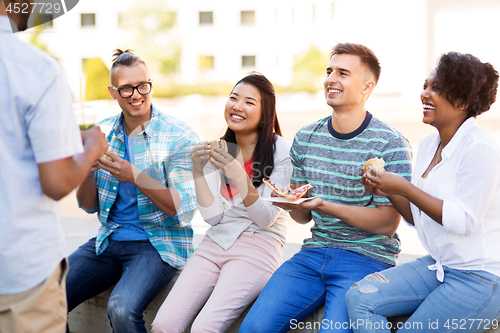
(121, 169)
(94, 138)
(307, 205)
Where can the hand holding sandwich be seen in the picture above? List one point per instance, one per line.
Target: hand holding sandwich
(383, 182)
(228, 165)
(121, 169)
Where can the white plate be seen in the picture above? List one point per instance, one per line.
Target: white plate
(285, 200)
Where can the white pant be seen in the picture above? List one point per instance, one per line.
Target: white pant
(223, 282)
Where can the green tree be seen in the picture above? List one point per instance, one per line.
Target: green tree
(39, 27)
(97, 75)
(308, 69)
(151, 24)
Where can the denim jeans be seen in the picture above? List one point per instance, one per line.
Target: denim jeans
(311, 278)
(134, 266)
(466, 301)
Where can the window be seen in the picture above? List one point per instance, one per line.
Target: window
(206, 18)
(247, 17)
(332, 10)
(314, 13)
(248, 61)
(88, 20)
(293, 15)
(276, 16)
(206, 62)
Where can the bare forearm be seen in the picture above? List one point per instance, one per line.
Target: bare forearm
(86, 193)
(402, 205)
(380, 220)
(430, 205)
(247, 191)
(59, 178)
(204, 196)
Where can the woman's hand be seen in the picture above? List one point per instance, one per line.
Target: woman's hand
(200, 156)
(228, 165)
(383, 182)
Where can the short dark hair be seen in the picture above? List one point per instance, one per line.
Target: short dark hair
(467, 82)
(263, 155)
(366, 55)
(124, 58)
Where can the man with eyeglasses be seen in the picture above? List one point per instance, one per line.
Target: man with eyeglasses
(144, 195)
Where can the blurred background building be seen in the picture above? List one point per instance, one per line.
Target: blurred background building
(197, 49)
(203, 47)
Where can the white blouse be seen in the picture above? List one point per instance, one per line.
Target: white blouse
(468, 181)
(229, 218)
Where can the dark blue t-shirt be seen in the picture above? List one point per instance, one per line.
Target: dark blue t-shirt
(125, 210)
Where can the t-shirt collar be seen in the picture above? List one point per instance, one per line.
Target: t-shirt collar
(355, 133)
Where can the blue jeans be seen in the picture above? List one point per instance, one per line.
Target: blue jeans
(134, 266)
(467, 301)
(311, 278)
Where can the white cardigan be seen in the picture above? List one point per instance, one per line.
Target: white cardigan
(229, 218)
(468, 182)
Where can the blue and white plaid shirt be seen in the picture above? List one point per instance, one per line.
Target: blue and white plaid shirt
(162, 151)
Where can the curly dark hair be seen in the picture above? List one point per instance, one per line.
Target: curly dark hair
(467, 82)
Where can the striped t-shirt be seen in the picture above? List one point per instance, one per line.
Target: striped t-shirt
(332, 163)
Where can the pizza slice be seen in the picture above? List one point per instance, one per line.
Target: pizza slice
(290, 194)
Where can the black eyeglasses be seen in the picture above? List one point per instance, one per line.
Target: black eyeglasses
(128, 91)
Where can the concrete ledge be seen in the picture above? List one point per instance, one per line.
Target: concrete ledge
(92, 316)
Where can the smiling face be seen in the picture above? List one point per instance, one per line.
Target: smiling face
(243, 111)
(347, 82)
(137, 106)
(438, 111)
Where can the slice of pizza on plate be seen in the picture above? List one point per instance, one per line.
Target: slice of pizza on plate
(290, 194)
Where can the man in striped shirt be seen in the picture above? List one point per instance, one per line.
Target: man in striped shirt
(354, 232)
(145, 199)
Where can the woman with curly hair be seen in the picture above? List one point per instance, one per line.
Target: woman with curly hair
(453, 201)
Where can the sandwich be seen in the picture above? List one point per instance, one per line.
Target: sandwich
(375, 163)
(219, 143)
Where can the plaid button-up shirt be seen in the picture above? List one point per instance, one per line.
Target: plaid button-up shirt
(162, 151)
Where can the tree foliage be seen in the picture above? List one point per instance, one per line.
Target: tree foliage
(150, 23)
(97, 75)
(308, 69)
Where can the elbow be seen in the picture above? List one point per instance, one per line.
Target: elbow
(214, 220)
(391, 228)
(56, 192)
(390, 233)
(265, 224)
(211, 218)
